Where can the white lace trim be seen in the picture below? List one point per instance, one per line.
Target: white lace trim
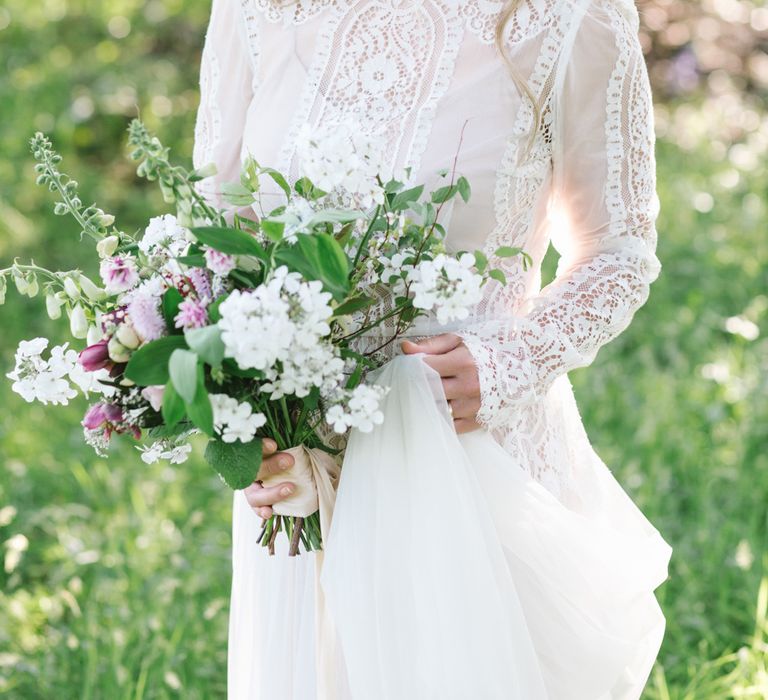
(395, 77)
(208, 122)
(251, 18)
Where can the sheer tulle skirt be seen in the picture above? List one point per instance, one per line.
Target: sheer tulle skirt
(450, 573)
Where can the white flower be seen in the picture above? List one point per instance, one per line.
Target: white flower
(37, 379)
(298, 213)
(358, 408)
(151, 454)
(163, 234)
(235, 420)
(341, 157)
(175, 450)
(446, 286)
(262, 326)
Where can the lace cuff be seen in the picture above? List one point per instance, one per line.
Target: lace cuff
(604, 185)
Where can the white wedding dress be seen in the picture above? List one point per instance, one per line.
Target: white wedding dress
(507, 562)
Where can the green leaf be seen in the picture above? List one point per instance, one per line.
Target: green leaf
(273, 230)
(199, 410)
(305, 188)
(335, 216)
(230, 241)
(464, 189)
(393, 186)
(173, 406)
(318, 256)
(170, 306)
(443, 194)
(213, 310)
(343, 236)
(148, 366)
(192, 260)
(481, 261)
(279, 179)
(498, 275)
(237, 463)
(352, 305)
(182, 369)
(237, 194)
(402, 199)
(207, 343)
(506, 252)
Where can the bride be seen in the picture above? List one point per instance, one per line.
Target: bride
(479, 547)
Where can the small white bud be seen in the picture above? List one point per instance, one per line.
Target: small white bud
(32, 286)
(93, 292)
(78, 323)
(53, 306)
(107, 246)
(107, 219)
(71, 288)
(94, 334)
(126, 335)
(118, 352)
(20, 281)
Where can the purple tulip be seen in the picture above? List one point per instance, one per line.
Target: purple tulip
(95, 357)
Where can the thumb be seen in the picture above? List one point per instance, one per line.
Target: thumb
(436, 345)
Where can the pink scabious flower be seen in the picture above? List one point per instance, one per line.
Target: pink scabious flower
(146, 318)
(119, 273)
(199, 279)
(95, 357)
(192, 314)
(219, 263)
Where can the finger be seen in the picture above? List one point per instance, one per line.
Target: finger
(268, 446)
(465, 386)
(465, 408)
(266, 496)
(264, 512)
(276, 464)
(464, 425)
(452, 363)
(436, 345)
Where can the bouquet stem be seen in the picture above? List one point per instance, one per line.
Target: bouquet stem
(300, 531)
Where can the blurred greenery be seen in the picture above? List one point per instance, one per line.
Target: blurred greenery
(115, 580)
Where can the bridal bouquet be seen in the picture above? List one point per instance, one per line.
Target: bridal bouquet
(244, 327)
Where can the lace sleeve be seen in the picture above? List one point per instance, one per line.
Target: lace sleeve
(227, 72)
(604, 183)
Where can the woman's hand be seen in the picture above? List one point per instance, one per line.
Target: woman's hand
(448, 355)
(260, 498)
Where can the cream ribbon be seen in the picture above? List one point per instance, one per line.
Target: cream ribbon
(315, 474)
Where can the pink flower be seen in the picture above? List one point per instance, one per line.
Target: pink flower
(119, 273)
(102, 414)
(199, 279)
(146, 317)
(192, 314)
(95, 357)
(219, 263)
(154, 394)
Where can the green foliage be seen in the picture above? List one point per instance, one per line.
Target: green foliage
(237, 463)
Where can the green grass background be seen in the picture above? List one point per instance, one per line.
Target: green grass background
(115, 577)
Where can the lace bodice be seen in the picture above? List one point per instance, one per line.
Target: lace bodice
(426, 75)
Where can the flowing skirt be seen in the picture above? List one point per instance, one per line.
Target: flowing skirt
(450, 573)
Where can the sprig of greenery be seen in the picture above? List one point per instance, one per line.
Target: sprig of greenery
(94, 222)
(176, 182)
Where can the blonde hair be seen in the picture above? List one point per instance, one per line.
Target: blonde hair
(522, 85)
